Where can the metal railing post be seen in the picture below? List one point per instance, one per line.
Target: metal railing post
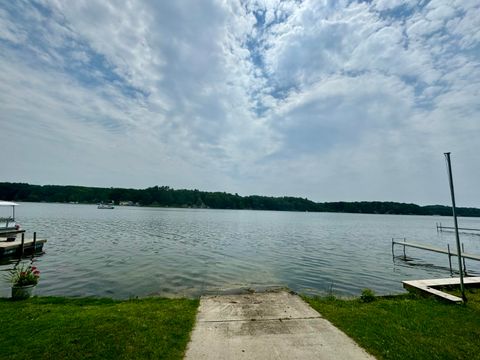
(452, 193)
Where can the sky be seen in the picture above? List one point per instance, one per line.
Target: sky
(329, 100)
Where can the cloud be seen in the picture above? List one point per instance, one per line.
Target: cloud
(273, 97)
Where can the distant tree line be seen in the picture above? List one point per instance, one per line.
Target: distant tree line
(168, 197)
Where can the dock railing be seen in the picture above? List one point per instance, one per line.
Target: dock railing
(441, 228)
(403, 242)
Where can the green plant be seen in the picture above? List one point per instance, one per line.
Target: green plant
(368, 295)
(24, 275)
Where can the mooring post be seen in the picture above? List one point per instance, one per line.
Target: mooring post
(449, 259)
(393, 254)
(34, 242)
(404, 254)
(23, 244)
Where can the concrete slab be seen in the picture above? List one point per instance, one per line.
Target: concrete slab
(276, 325)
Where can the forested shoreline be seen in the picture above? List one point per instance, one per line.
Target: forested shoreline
(167, 197)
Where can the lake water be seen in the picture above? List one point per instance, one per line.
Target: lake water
(134, 251)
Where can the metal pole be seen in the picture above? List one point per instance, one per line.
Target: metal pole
(452, 193)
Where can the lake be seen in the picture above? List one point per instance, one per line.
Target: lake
(137, 251)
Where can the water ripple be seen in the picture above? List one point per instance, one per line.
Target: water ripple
(131, 252)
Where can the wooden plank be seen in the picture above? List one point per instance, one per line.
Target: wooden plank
(431, 291)
(469, 280)
(18, 242)
(443, 295)
(10, 231)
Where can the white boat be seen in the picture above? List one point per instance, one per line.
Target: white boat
(9, 228)
(105, 206)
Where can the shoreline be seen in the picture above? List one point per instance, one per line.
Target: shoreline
(262, 210)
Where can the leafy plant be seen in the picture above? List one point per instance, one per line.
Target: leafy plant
(368, 295)
(24, 275)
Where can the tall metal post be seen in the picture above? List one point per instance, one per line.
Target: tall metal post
(450, 178)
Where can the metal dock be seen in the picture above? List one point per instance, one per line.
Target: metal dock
(472, 231)
(447, 251)
(435, 249)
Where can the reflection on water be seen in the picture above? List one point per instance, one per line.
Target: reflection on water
(129, 251)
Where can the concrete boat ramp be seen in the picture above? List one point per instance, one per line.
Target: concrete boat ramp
(270, 325)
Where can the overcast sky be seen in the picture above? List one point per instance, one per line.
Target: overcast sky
(330, 100)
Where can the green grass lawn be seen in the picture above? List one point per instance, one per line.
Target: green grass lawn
(407, 327)
(397, 327)
(60, 328)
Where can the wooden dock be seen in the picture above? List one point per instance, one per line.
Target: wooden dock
(428, 286)
(19, 247)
